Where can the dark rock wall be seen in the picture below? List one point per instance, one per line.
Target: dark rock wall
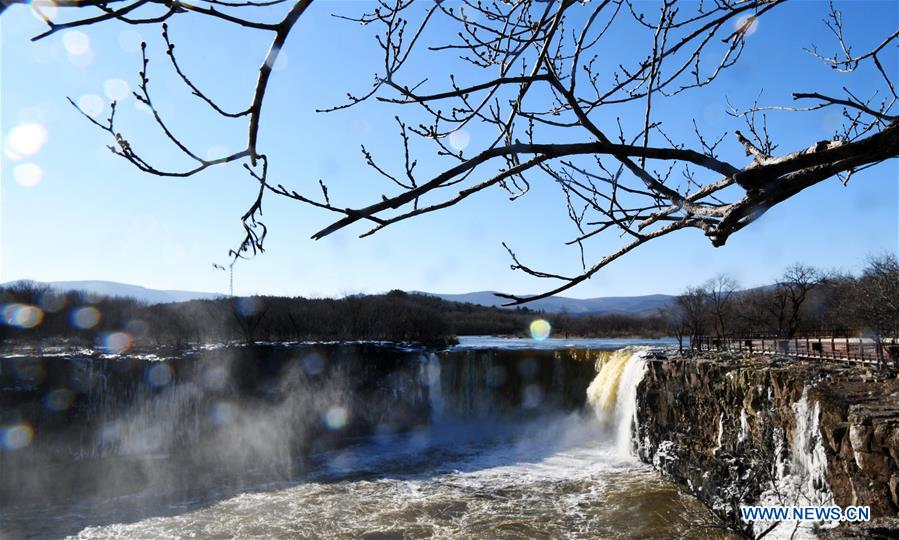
(727, 428)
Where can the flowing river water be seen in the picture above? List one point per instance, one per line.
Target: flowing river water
(489, 440)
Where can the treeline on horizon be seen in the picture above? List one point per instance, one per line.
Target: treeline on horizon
(805, 301)
(33, 312)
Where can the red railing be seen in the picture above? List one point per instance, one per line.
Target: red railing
(842, 349)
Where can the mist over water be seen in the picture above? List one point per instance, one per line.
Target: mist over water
(337, 442)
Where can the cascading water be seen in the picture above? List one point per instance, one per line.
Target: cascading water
(130, 424)
(431, 379)
(808, 456)
(486, 384)
(464, 444)
(613, 394)
(800, 471)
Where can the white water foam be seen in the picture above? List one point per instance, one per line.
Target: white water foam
(556, 478)
(563, 475)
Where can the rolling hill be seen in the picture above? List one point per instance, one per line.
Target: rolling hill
(627, 305)
(112, 288)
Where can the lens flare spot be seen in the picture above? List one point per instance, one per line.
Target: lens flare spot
(29, 316)
(459, 139)
(130, 40)
(22, 316)
(746, 25)
(28, 174)
(59, 400)
(313, 364)
(8, 312)
(25, 140)
(91, 104)
(76, 43)
(215, 378)
(222, 413)
(137, 328)
(16, 437)
(540, 329)
(335, 418)
(85, 318)
(52, 301)
(110, 433)
(159, 375)
(532, 397)
(117, 342)
(246, 307)
(116, 89)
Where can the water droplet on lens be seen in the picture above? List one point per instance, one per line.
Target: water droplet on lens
(16, 437)
(159, 375)
(335, 418)
(540, 329)
(86, 317)
(222, 413)
(59, 400)
(313, 364)
(533, 396)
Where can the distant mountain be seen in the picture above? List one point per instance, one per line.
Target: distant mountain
(143, 294)
(626, 305)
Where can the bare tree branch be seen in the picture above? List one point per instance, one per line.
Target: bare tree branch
(539, 86)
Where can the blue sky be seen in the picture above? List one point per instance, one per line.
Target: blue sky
(90, 215)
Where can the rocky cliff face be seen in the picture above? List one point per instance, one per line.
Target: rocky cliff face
(740, 430)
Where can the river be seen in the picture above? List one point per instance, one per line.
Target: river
(491, 439)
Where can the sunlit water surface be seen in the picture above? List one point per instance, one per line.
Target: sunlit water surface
(557, 479)
(557, 475)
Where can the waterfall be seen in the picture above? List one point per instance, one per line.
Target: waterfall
(809, 459)
(601, 359)
(720, 438)
(431, 378)
(484, 384)
(613, 394)
(800, 478)
(744, 426)
(154, 423)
